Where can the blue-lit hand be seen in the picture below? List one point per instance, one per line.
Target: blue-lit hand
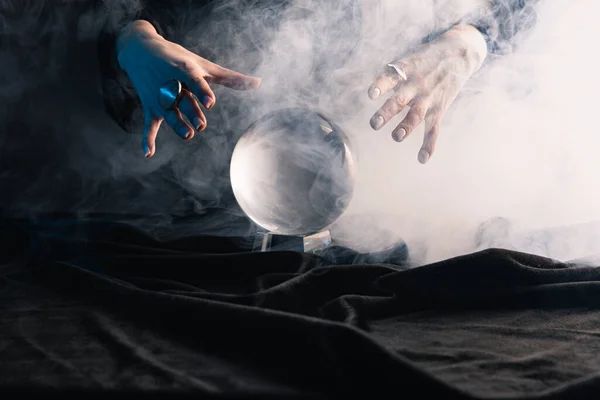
(150, 60)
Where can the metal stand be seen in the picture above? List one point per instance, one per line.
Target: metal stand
(266, 241)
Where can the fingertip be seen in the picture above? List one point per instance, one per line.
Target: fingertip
(198, 123)
(374, 92)
(189, 136)
(377, 122)
(399, 134)
(257, 81)
(149, 135)
(184, 132)
(148, 150)
(424, 156)
(208, 102)
(245, 83)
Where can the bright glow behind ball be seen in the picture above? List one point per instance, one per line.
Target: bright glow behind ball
(293, 172)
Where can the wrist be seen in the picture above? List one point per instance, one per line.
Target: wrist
(134, 32)
(471, 44)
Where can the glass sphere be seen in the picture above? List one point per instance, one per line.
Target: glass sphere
(293, 172)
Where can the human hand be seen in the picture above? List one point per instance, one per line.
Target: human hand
(150, 61)
(434, 74)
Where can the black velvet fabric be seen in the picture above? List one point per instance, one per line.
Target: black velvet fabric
(103, 307)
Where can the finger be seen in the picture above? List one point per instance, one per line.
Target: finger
(232, 79)
(195, 83)
(392, 107)
(432, 132)
(191, 110)
(151, 126)
(388, 79)
(175, 120)
(414, 118)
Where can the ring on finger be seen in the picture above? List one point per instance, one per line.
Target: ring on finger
(170, 94)
(395, 69)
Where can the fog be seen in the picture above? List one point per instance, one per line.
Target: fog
(518, 144)
(516, 154)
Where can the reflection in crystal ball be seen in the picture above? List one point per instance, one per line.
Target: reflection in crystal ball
(293, 172)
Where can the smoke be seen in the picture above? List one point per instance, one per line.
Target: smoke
(516, 156)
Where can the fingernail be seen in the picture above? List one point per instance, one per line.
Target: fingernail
(207, 101)
(198, 123)
(377, 122)
(399, 136)
(184, 131)
(375, 92)
(423, 156)
(147, 155)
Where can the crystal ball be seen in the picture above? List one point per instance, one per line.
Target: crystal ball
(293, 172)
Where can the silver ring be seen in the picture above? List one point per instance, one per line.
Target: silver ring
(399, 70)
(170, 94)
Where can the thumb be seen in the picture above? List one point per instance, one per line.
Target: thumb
(231, 79)
(151, 126)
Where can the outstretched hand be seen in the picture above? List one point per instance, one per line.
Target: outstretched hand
(150, 60)
(427, 82)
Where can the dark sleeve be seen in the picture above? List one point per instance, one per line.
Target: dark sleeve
(503, 24)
